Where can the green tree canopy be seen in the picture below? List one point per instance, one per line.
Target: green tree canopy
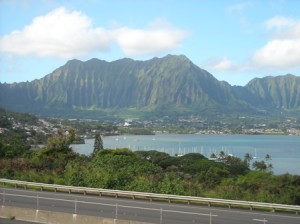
(61, 141)
(98, 144)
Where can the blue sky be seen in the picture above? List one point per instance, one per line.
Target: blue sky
(234, 40)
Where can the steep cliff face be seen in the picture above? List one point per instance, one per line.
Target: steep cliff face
(277, 92)
(168, 82)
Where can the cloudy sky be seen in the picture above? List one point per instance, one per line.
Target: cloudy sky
(234, 40)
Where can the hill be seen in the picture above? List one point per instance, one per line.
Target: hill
(171, 85)
(278, 92)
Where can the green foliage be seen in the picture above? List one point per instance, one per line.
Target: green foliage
(148, 171)
(212, 177)
(7, 117)
(76, 172)
(152, 156)
(13, 143)
(117, 169)
(98, 144)
(144, 183)
(61, 142)
(5, 122)
(171, 85)
(280, 91)
(263, 164)
(171, 184)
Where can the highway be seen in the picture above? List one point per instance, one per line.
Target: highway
(138, 210)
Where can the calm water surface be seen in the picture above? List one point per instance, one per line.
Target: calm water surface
(284, 150)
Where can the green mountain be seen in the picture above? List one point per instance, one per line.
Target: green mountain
(277, 92)
(161, 86)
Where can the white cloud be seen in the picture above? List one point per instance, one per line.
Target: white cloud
(238, 8)
(57, 34)
(157, 38)
(66, 34)
(279, 22)
(223, 64)
(283, 49)
(280, 52)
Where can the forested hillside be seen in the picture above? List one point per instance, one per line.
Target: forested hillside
(279, 92)
(171, 85)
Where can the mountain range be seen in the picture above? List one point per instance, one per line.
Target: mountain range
(160, 86)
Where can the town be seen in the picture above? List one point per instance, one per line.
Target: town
(39, 129)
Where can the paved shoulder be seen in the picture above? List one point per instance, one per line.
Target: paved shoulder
(8, 221)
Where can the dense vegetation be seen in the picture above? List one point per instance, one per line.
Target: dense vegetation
(168, 86)
(148, 171)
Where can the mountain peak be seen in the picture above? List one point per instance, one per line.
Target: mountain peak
(171, 83)
(73, 61)
(180, 57)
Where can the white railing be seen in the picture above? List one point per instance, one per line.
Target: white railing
(151, 196)
(157, 212)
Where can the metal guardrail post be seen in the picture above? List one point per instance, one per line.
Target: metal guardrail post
(37, 202)
(116, 216)
(75, 210)
(151, 196)
(161, 216)
(3, 200)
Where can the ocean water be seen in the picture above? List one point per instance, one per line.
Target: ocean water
(284, 150)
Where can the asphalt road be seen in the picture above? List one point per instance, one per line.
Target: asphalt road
(139, 210)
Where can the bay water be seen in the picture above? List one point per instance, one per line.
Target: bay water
(283, 149)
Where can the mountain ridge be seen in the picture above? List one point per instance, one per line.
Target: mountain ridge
(170, 84)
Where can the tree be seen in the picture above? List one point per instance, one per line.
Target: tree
(269, 165)
(222, 155)
(259, 165)
(213, 156)
(247, 159)
(263, 164)
(61, 142)
(98, 144)
(268, 157)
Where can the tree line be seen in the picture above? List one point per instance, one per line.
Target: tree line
(192, 174)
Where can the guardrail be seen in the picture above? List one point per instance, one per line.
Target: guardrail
(116, 209)
(153, 196)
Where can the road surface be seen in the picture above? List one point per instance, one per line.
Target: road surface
(138, 210)
(7, 221)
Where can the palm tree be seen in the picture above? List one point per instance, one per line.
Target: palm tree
(268, 157)
(259, 165)
(222, 155)
(213, 156)
(247, 159)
